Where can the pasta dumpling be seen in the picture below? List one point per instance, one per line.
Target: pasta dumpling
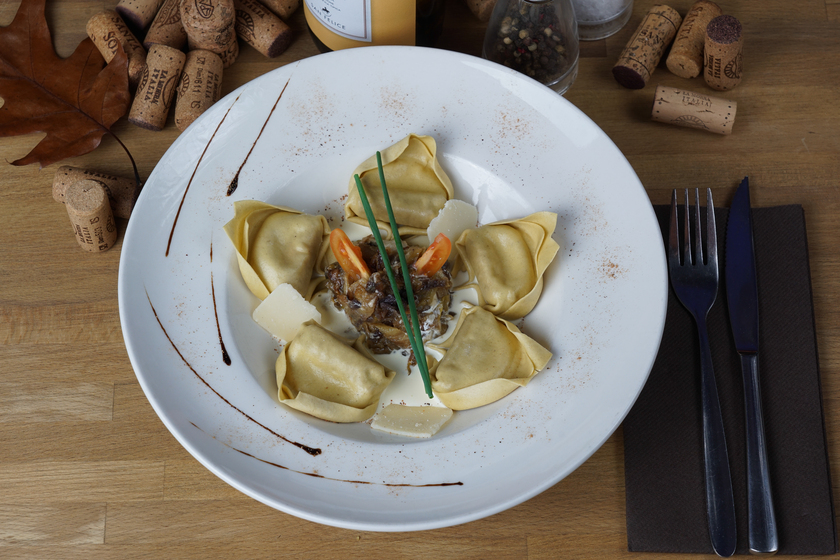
(277, 245)
(328, 377)
(507, 261)
(487, 358)
(417, 186)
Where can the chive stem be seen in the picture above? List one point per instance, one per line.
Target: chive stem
(419, 352)
(409, 291)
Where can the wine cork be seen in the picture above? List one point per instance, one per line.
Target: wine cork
(693, 110)
(686, 57)
(90, 215)
(261, 29)
(138, 13)
(724, 43)
(210, 26)
(154, 94)
(639, 58)
(122, 192)
(107, 30)
(282, 8)
(199, 88)
(166, 28)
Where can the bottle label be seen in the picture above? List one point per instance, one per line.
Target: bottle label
(343, 24)
(348, 18)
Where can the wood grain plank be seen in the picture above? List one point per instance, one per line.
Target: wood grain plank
(353, 545)
(44, 401)
(190, 480)
(131, 404)
(254, 523)
(66, 323)
(50, 524)
(37, 482)
(88, 441)
(69, 363)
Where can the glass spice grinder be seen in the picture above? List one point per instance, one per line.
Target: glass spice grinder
(538, 38)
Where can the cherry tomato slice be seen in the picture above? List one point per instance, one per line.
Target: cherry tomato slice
(434, 257)
(349, 256)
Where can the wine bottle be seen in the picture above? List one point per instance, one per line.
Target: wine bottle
(344, 24)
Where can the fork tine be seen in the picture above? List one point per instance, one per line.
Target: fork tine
(687, 257)
(711, 231)
(674, 233)
(698, 230)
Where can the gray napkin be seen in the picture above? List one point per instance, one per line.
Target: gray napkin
(663, 455)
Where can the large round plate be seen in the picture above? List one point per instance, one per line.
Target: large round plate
(293, 137)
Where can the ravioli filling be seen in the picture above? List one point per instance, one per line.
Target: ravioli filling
(371, 305)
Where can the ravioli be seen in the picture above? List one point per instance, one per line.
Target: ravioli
(328, 377)
(278, 245)
(417, 186)
(486, 358)
(507, 261)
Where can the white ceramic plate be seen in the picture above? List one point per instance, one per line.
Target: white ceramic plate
(293, 136)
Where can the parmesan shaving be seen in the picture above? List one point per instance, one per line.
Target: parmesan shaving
(411, 421)
(284, 311)
(455, 217)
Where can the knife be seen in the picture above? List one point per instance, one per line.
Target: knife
(742, 299)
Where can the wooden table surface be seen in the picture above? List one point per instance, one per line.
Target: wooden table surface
(87, 470)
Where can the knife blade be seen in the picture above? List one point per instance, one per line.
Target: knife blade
(742, 301)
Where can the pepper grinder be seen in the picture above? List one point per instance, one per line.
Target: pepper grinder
(538, 38)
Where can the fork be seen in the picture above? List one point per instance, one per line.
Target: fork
(695, 281)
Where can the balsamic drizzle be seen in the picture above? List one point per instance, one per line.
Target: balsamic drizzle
(234, 183)
(189, 183)
(316, 475)
(225, 355)
(314, 451)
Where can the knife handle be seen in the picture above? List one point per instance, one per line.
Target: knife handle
(720, 501)
(764, 538)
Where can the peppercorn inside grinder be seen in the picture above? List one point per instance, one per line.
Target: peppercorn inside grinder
(538, 38)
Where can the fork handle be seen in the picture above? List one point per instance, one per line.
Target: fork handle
(763, 535)
(720, 503)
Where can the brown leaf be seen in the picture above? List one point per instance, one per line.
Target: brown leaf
(74, 100)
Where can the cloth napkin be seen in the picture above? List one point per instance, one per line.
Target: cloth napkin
(663, 454)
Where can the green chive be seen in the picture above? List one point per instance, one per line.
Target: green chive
(418, 349)
(409, 291)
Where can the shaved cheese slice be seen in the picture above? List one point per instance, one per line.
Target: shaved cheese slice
(411, 421)
(284, 311)
(455, 217)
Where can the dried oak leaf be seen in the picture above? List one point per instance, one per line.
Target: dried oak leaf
(74, 100)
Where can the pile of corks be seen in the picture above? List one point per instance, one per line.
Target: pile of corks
(705, 41)
(159, 69)
(160, 72)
